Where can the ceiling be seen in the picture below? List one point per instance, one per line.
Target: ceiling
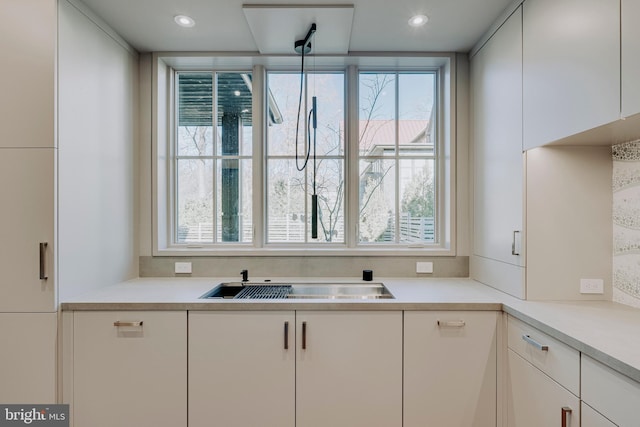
(378, 25)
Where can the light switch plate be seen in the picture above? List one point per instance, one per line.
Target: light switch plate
(424, 267)
(183, 267)
(591, 286)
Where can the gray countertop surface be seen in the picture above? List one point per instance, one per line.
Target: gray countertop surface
(606, 331)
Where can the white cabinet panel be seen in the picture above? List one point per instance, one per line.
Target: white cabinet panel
(630, 57)
(28, 358)
(535, 400)
(242, 369)
(571, 67)
(349, 369)
(613, 394)
(592, 418)
(449, 368)
(28, 44)
(497, 139)
(27, 188)
(130, 375)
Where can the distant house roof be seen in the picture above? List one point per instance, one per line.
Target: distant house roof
(375, 134)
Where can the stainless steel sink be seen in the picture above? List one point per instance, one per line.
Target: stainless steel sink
(269, 290)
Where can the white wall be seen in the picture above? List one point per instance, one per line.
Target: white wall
(97, 131)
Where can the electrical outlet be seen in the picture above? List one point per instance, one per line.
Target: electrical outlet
(183, 267)
(591, 286)
(424, 267)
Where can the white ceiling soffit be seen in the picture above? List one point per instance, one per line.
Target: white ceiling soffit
(275, 28)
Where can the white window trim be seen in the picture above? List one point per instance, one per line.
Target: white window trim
(162, 124)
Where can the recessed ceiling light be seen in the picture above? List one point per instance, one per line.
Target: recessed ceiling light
(184, 21)
(236, 93)
(418, 20)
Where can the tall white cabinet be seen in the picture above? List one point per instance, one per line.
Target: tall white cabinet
(630, 58)
(27, 190)
(498, 168)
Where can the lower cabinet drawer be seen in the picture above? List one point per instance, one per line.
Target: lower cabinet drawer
(554, 358)
(612, 394)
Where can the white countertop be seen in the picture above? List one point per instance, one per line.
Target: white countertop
(605, 331)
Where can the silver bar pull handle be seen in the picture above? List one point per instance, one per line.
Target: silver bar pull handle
(43, 253)
(513, 243)
(304, 335)
(566, 411)
(535, 343)
(129, 324)
(452, 323)
(286, 335)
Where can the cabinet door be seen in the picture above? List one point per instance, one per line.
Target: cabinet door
(571, 67)
(27, 187)
(28, 44)
(450, 369)
(28, 358)
(630, 58)
(592, 418)
(497, 136)
(349, 369)
(132, 375)
(242, 369)
(536, 400)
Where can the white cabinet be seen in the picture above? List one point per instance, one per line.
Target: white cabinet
(349, 369)
(612, 394)
(498, 167)
(450, 368)
(543, 379)
(129, 369)
(571, 67)
(242, 368)
(591, 418)
(28, 44)
(535, 400)
(27, 187)
(27, 362)
(317, 368)
(630, 58)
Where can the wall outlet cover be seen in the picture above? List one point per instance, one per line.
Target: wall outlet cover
(424, 267)
(591, 286)
(183, 267)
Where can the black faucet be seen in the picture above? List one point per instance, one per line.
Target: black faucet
(245, 275)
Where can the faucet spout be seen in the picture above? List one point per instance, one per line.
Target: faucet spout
(245, 275)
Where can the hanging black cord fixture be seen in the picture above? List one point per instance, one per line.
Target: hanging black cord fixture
(302, 47)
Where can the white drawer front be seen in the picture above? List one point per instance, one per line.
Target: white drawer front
(591, 418)
(558, 360)
(615, 396)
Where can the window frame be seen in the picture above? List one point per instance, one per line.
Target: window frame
(164, 69)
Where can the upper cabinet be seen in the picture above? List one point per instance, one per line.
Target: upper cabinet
(28, 44)
(571, 67)
(630, 58)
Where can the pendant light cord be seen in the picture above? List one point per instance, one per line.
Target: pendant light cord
(306, 160)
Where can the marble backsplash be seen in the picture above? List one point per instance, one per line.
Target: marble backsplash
(626, 223)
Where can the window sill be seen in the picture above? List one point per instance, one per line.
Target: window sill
(304, 251)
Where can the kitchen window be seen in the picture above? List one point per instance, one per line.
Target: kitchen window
(242, 163)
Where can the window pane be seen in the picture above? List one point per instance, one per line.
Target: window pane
(377, 105)
(234, 98)
(377, 201)
(233, 200)
(415, 107)
(195, 137)
(282, 100)
(195, 201)
(286, 202)
(417, 201)
(330, 190)
(329, 92)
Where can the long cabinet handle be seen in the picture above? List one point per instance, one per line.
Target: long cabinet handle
(535, 343)
(304, 335)
(43, 250)
(286, 335)
(452, 323)
(566, 411)
(130, 324)
(513, 243)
